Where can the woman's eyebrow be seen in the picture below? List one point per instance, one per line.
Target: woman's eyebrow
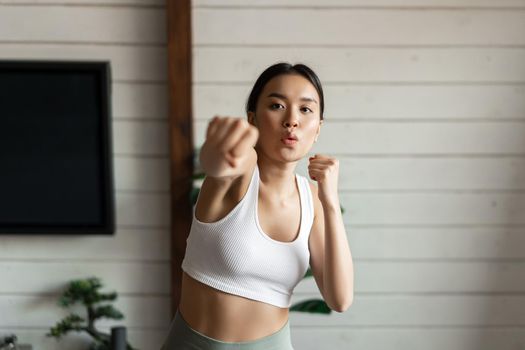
(281, 96)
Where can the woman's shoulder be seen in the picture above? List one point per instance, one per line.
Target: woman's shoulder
(217, 198)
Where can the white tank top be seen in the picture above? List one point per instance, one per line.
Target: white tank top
(234, 255)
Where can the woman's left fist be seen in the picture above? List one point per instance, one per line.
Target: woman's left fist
(325, 170)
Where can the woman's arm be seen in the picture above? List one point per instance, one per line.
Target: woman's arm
(227, 158)
(331, 259)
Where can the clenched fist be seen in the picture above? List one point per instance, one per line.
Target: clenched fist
(325, 170)
(228, 143)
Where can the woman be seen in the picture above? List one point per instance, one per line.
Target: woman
(257, 225)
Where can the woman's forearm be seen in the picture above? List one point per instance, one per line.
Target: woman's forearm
(338, 274)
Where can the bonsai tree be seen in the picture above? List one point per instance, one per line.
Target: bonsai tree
(315, 305)
(86, 292)
(9, 342)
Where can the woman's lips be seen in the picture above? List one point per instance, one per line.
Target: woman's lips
(289, 141)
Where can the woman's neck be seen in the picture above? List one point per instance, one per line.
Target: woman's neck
(279, 178)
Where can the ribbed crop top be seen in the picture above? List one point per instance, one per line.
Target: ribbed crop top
(234, 255)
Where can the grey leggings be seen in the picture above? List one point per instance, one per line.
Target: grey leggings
(182, 337)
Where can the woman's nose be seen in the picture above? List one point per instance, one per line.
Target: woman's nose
(289, 123)
(290, 120)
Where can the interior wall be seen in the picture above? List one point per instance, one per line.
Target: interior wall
(425, 109)
(135, 262)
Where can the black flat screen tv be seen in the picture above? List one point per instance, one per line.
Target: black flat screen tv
(56, 172)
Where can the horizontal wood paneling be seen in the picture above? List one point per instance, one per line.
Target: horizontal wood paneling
(141, 339)
(390, 138)
(138, 64)
(316, 337)
(409, 101)
(31, 311)
(100, 3)
(429, 97)
(66, 24)
(440, 208)
(28, 277)
(150, 210)
(412, 337)
(128, 244)
(140, 101)
(400, 173)
(135, 262)
(141, 173)
(353, 26)
(140, 137)
(431, 278)
(241, 65)
(423, 310)
(382, 172)
(358, 3)
(366, 65)
(369, 242)
(372, 277)
(367, 310)
(287, 3)
(414, 244)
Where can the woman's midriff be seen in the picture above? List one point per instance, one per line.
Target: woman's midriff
(227, 317)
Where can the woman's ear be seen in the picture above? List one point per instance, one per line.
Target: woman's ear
(251, 118)
(318, 130)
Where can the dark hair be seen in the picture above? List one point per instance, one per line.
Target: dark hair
(283, 68)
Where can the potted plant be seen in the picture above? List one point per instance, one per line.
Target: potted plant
(10, 343)
(85, 291)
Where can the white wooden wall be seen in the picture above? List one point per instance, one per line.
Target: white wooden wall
(425, 109)
(134, 262)
(426, 112)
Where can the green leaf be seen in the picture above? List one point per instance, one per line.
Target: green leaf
(317, 306)
(308, 273)
(69, 323)
(194, 195)
(107, 296)
(198, 176)
(84, 291)
(107, 311)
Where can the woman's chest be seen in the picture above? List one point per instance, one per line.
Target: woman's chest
(281, 221)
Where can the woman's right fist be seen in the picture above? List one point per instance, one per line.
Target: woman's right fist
(228, 142)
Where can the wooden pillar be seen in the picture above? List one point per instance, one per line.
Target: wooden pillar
(181, 135)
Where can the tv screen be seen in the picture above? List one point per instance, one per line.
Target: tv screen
(56, 173)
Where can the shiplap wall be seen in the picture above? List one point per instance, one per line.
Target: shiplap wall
(136, 261)
(425, 108)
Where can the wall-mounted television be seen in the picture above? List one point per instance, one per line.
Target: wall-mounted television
(56, 172)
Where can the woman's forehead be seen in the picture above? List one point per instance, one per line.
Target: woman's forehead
(290, 86)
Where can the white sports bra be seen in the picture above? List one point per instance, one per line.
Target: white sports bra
(234, 255)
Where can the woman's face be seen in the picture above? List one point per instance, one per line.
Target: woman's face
(288, 104)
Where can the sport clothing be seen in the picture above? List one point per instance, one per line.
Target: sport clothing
(234, 255)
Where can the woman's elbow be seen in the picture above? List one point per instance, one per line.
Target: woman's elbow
(342, 307)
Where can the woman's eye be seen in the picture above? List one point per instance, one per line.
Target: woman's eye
(306, 109)
(275, 105)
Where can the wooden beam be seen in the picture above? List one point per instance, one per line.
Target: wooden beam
(181, 135)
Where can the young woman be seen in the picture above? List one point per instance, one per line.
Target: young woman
(257, 225)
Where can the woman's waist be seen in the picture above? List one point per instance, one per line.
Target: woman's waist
(225, 316)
